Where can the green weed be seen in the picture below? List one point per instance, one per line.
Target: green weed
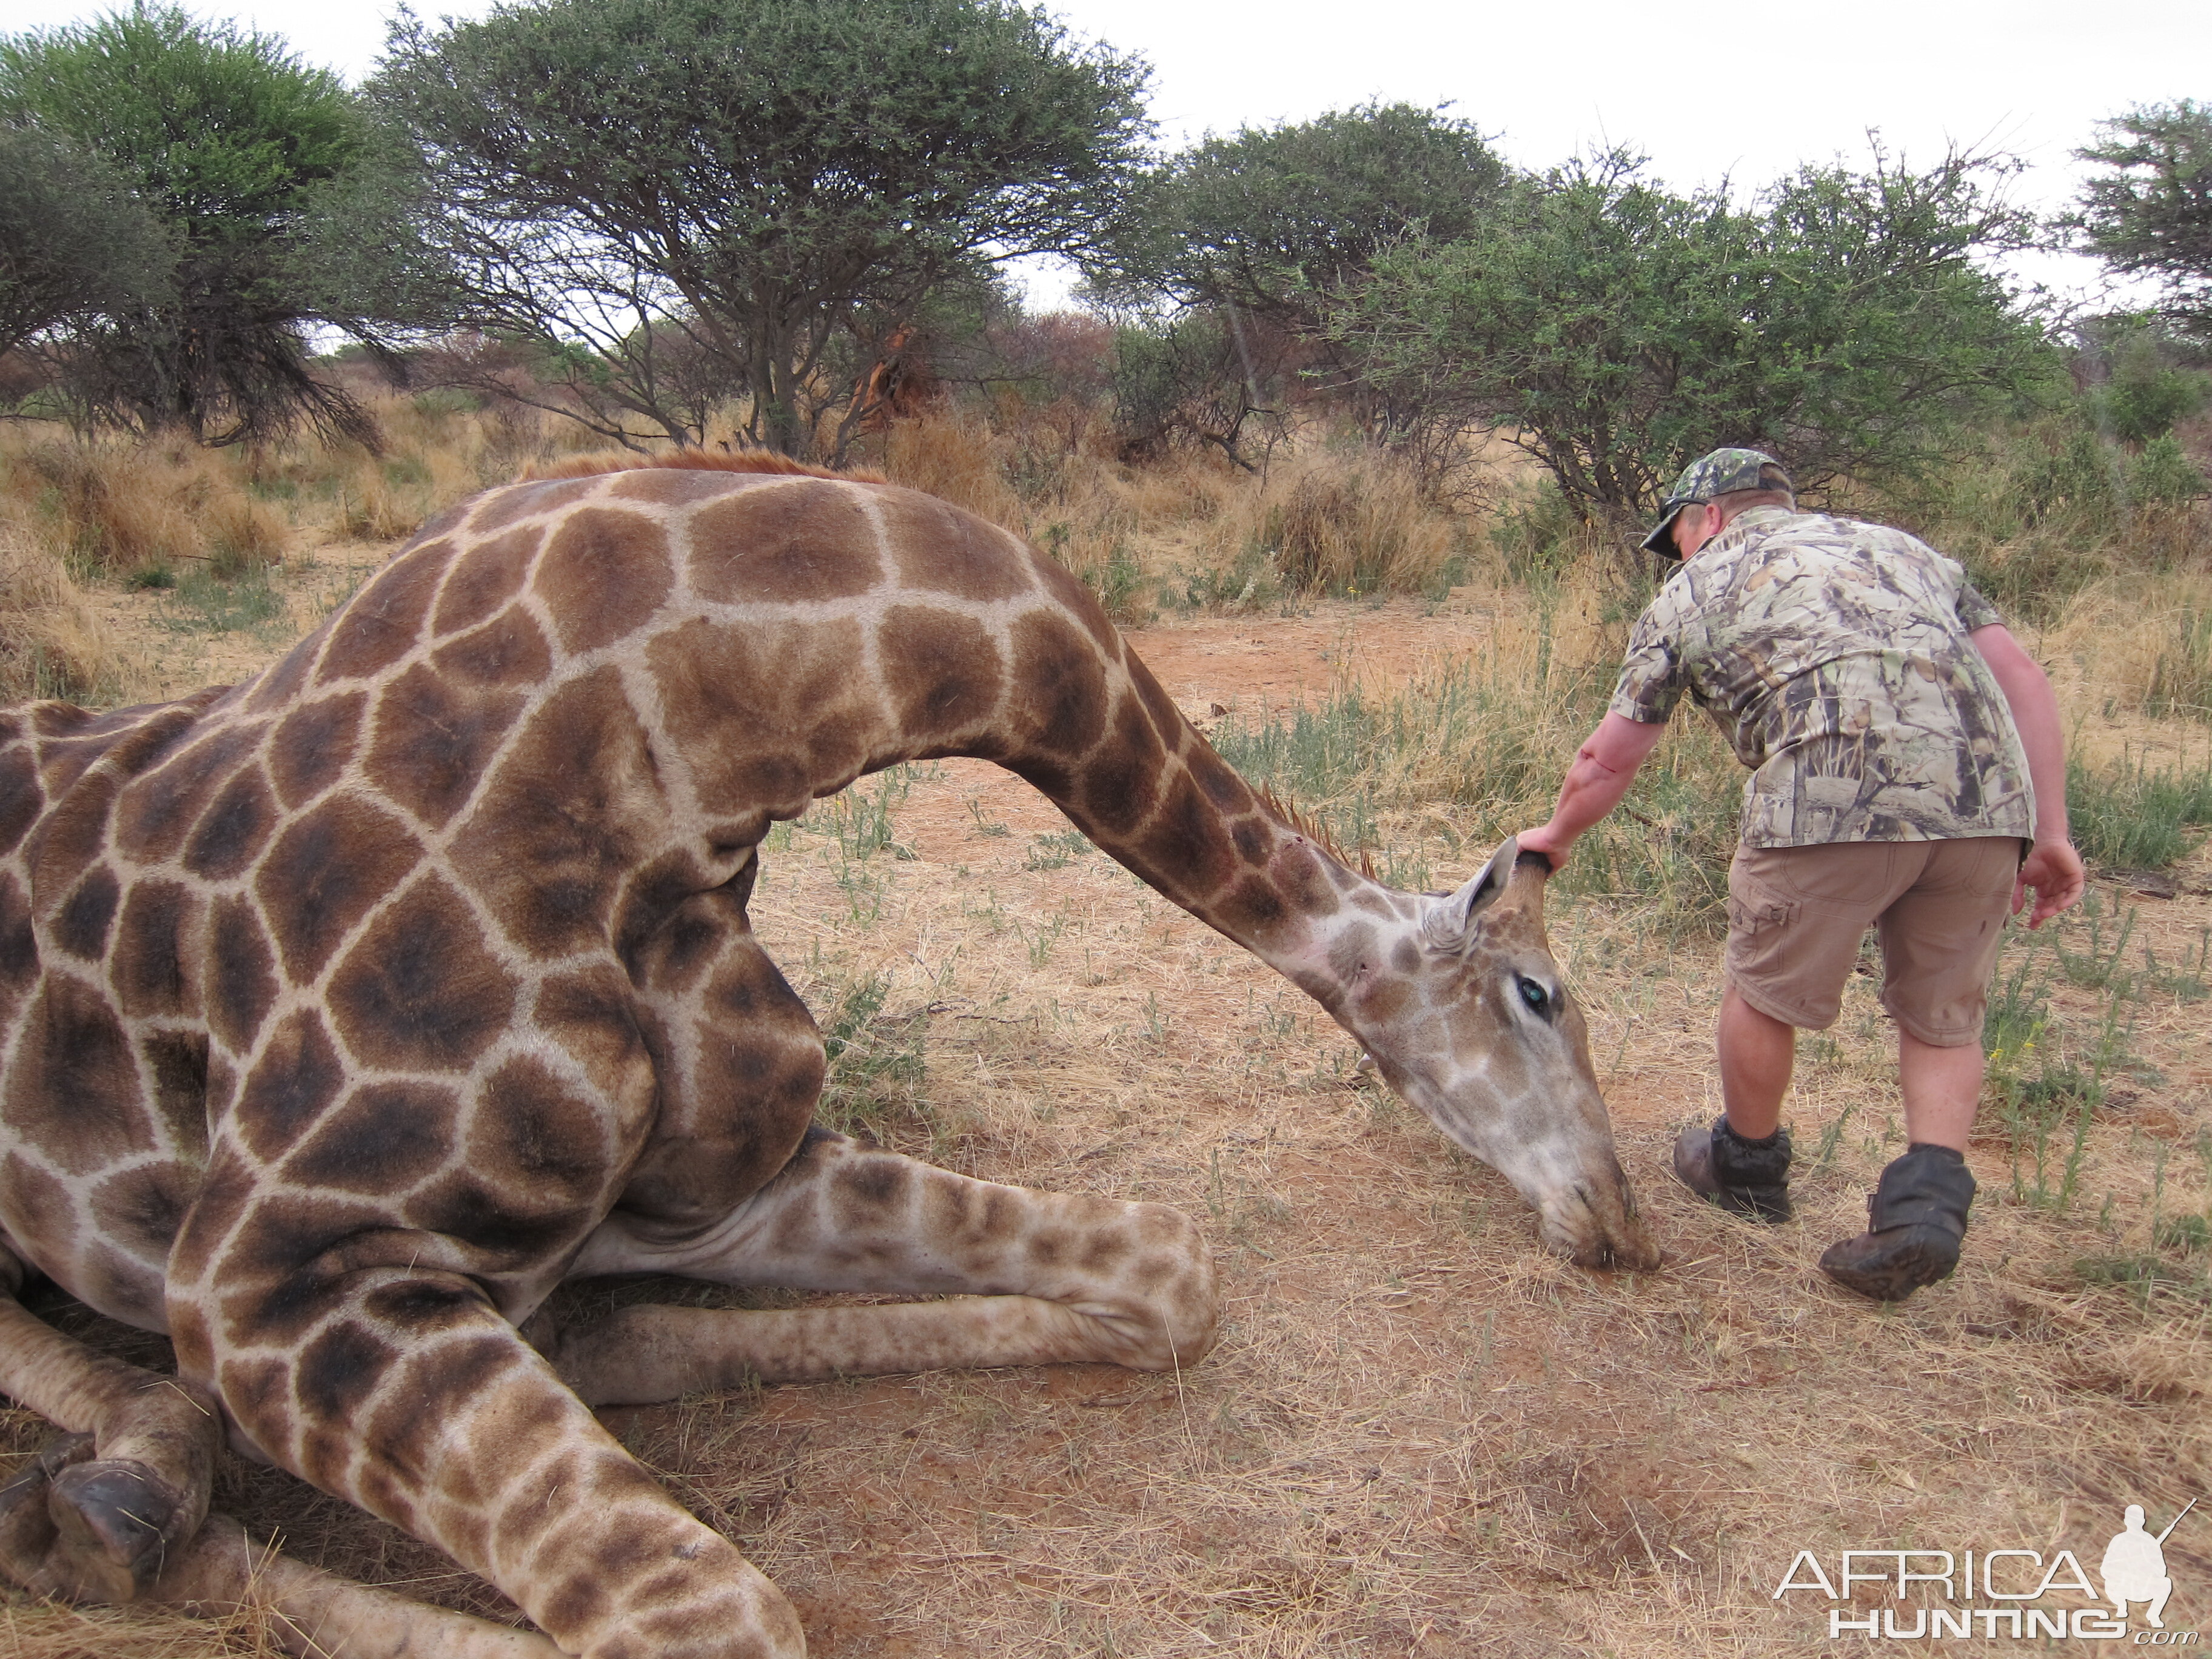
(205, 604)
(1057, 850)
(873, 1085)
(2126, 815)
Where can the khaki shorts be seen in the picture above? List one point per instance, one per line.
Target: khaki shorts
(1796, 915)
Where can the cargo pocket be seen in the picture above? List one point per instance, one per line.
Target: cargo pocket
(1750, 917)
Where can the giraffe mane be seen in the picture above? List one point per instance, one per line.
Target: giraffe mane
(695, 461)
(1317, 832)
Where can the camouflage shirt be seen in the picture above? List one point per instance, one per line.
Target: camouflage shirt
(1834, 656)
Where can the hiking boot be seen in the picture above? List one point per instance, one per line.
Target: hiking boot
(1915, 1218)
(1749, 1177)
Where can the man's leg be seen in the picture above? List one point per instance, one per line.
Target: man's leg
(1941, 1087)
(1795, 916)
(1939, 947)
(1757, 1052)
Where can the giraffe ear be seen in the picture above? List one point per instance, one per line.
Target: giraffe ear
(1448, 922)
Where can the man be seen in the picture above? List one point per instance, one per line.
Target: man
(2134, 1568)
(1904, 750)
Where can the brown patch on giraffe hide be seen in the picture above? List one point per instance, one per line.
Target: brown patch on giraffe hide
(80, 927)
(73, 1087)
(1056, 703)
(1252, 910)
(503, 1231)
(1228, 791)
(225, 1189)
(1120, 781)
(438, 524)
(940, 549)
(588, 1013)
(791, 545)
(157, 810)
(604, 573)
(382, 1140)
(241, 981)
(34, 1203)
(311, 746)
(324, 874)
(68, 842)
(510, 650)
(502, 508)
(140, 1208)
(384, 620)
(229, 834)
(536, 1142)
(1167, 719)
(20, 796)
(335, 1375)
(668, 931)
(732, 1117)
(943, 669)
(969, 1220)
(119, 1286)
(278, 684)
(559, 821)
(290, 1086)
(19, 946)
(1186, 841)
(161, 921)
(693, 460)
(419, 992)
(257, 1391)
(484, 578)
(1301, 877)
(1387, 998)
(432, 740)
(767, 716)
(1078, 601)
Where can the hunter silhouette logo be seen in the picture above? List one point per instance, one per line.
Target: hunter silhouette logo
(2133, 1567)
(1999, 1592)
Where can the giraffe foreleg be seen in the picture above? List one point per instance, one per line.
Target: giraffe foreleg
(318, 1615)
(1029, 1278)
(410, 1395)
(97, 1515)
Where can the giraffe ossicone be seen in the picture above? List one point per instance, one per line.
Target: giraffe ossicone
(346, 1011)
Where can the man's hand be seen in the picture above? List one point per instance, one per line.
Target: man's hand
(2054, 869)
(1604, 767)
(1548, 842)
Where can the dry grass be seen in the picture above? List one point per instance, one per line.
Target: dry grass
(52, 643)
(1420, 1436)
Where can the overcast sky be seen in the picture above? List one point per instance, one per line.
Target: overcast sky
(1716, 92)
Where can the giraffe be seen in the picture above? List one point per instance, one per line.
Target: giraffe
(346, 1011)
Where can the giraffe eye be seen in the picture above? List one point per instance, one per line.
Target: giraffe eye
(1538, 999)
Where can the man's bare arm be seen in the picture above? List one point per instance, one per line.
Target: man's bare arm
(2053, 868)
(1604, 767)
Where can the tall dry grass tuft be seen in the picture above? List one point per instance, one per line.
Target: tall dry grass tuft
(1327, 516)
(52, 643)
(1333, 518)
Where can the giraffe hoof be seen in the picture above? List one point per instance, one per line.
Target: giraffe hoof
(85, 1530)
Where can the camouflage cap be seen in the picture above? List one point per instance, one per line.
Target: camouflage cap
(1720, 473)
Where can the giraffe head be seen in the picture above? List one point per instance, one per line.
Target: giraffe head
(1461, 1006)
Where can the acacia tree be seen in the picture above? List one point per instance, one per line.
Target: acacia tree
(1613, 328)
(274, 198)
(1276, 219)
(2152, 214)
(724, 188)
(74, 244)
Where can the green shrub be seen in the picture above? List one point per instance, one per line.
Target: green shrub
(2127, 817)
